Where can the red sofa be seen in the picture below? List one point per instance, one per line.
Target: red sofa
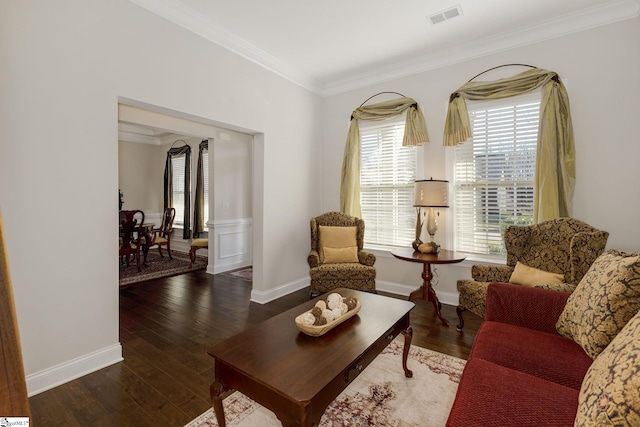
(520, 372)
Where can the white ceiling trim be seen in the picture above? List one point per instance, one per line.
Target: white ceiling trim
(596, 16)
(590, 18)
(195, 22)
(139, 138)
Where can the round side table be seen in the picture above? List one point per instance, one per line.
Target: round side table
(426, 291)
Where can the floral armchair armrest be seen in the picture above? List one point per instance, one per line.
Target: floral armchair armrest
(313, 259)
(366, 258)
(491, 273)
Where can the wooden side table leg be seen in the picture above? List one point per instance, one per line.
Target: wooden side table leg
(408, 335)
(437, 305)
(430, 294)
(216, 390)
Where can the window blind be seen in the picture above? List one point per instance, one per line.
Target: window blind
(178, 166)
(387, 175)
(494, 173)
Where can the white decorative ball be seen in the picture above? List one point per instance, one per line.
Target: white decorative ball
(336, 312)
(321, 305)
(343, 308)
(328, 314)
(334, 300)
(307, 319)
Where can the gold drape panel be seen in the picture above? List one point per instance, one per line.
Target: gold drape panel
(415, 133)
(555, 158)
(198, 203)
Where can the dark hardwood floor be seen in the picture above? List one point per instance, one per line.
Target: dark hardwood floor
(166, 326)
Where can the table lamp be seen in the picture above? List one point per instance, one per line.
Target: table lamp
(430, 193)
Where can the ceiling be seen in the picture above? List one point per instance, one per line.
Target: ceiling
(331, 46)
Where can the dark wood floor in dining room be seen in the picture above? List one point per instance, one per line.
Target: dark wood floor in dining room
(166, 326)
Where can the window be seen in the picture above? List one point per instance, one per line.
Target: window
(387, 175)
(177, 173)
(494, 172)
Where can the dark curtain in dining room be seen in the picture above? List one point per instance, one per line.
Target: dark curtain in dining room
(168, 185)
(198, 203)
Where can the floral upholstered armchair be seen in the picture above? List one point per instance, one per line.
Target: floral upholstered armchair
(337, 258)
(554, 254)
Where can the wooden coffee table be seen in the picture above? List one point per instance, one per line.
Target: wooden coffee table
(297, 376)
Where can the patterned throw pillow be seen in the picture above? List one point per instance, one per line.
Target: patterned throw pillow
(610, 392)
(606, 298)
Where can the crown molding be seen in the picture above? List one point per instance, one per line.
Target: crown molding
(138, 138)
(594, 17)
(193, 21)
(614, 11)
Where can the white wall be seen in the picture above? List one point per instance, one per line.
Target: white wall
(233, 176)
(141, 176)
(64, 67)
(601, 68)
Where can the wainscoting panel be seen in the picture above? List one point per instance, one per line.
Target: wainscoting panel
(230, 247)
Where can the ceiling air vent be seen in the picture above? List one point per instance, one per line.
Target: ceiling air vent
(445, 15)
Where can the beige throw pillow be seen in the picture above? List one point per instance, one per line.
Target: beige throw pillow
(610, 392)
(338, 244)
(529, 276)
(606, 298)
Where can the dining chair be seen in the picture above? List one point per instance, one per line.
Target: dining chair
(131, 235)
(161, 236)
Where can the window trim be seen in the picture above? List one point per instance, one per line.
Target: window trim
(365, 126)
(451, 159)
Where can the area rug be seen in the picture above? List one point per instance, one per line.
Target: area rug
(158, 267)
(381, 396)
(244, 274)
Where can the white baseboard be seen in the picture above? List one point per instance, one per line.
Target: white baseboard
(227, 267)
(449, 298)
(76, 368)
(264, 297)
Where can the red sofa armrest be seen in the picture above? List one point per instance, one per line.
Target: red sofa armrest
(531, 308)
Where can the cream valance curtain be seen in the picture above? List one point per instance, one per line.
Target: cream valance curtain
(415, 133)
(555, 157)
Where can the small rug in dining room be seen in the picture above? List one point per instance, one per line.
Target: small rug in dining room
(380, 396)
(158, 267)
(245, 273)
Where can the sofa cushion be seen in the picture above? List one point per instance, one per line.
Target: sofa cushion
(338, 244)
(546, 356)
(606, 298)
(491, 395)
(610, 393)
(529, 276)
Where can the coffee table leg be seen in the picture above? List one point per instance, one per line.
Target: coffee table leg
(408, 335)
(216, 391)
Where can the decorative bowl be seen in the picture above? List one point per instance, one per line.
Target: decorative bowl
(316, 331)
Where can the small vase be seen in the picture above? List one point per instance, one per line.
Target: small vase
(416, 244)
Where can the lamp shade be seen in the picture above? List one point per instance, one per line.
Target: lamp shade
(432, 193)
